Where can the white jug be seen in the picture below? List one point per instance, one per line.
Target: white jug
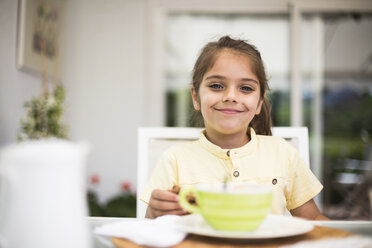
(43, 195)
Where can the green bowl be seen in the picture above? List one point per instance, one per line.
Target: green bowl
(236, 207)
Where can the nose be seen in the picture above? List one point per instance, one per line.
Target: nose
(230, 95)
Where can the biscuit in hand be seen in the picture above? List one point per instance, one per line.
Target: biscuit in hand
(190, 197)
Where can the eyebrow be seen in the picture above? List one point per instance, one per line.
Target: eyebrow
(222, 77)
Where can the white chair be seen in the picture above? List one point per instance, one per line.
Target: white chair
(152, 141)
(296, 136)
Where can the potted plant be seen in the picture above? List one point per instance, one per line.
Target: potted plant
(44, 116)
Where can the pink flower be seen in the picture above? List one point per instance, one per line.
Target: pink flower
(126, 186)
(94, 179)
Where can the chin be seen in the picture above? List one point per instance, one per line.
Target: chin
(230, 129)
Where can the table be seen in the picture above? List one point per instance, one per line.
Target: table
(357, 227)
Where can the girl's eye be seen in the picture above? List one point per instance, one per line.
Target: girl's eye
(216, 86)
(246, 88)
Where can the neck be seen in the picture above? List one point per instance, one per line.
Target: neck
(227, 141)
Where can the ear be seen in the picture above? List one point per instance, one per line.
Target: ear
(195, 99)
(259, 105)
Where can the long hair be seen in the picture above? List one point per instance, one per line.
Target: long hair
(262, 122)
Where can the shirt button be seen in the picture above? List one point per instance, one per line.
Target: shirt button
(274, 181)
(236, 173)
(228, 153)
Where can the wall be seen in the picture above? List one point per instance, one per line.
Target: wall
(103, 76)
(15, 86)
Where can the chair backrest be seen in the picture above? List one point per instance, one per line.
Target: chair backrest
(296, 136)
(152, 141)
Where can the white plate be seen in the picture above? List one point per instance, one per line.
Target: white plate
(274, 226)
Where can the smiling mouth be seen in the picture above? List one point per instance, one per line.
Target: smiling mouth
(229, 111)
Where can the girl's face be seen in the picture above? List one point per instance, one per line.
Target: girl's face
(229, 95)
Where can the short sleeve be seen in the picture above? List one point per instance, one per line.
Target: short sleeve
(164, 176)
(304, 185)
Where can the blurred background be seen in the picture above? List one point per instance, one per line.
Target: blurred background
(127, 63)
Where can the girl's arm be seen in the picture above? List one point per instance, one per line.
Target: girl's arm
(308, 210)
(163, 202)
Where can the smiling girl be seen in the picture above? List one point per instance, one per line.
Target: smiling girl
(229, 91)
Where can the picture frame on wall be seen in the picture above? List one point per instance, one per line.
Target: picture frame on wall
(39, 35)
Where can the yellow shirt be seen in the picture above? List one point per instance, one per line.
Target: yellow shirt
(264, 159)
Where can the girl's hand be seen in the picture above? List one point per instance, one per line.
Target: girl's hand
(163, 202)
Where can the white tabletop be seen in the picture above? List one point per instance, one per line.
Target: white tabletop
(359, 227)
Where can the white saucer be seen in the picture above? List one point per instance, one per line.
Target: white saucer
(274, 226)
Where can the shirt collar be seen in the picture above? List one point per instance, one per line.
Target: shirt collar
(234, 153)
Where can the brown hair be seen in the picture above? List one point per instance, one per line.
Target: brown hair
(261, 123)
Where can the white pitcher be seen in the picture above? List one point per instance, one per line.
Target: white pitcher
(43, 195)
